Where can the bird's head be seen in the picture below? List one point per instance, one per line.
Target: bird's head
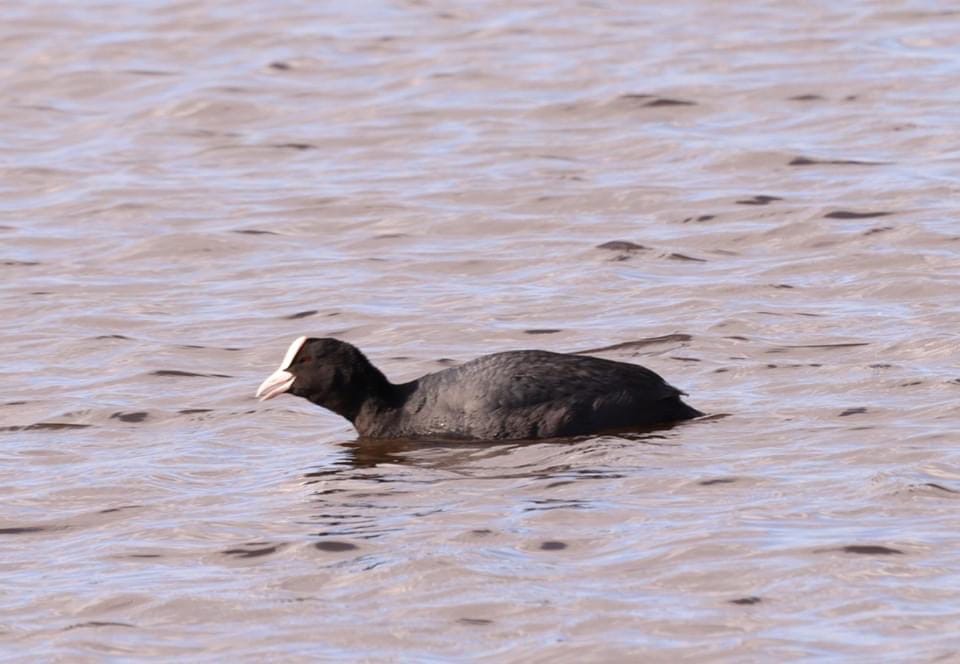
(329, 372)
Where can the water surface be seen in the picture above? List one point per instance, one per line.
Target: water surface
(758, 202)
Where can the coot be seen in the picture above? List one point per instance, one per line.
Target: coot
(519, 394)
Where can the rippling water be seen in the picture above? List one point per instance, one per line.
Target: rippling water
(758, 202)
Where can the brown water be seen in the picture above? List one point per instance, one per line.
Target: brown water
(186, 187)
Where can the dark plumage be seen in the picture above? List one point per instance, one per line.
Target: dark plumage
(518, 394)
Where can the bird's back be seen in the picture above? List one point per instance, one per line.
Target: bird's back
(536, 394)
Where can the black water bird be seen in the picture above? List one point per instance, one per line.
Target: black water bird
(521, 394)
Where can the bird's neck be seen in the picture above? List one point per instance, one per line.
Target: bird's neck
(382, 411)
(360, 389)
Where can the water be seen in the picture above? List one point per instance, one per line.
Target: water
(762, 197)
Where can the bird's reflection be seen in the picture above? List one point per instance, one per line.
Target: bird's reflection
(372, 487)
(461, 456)
(431, 454)
(368, 454)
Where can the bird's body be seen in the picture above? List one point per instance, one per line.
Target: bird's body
(523, 394)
